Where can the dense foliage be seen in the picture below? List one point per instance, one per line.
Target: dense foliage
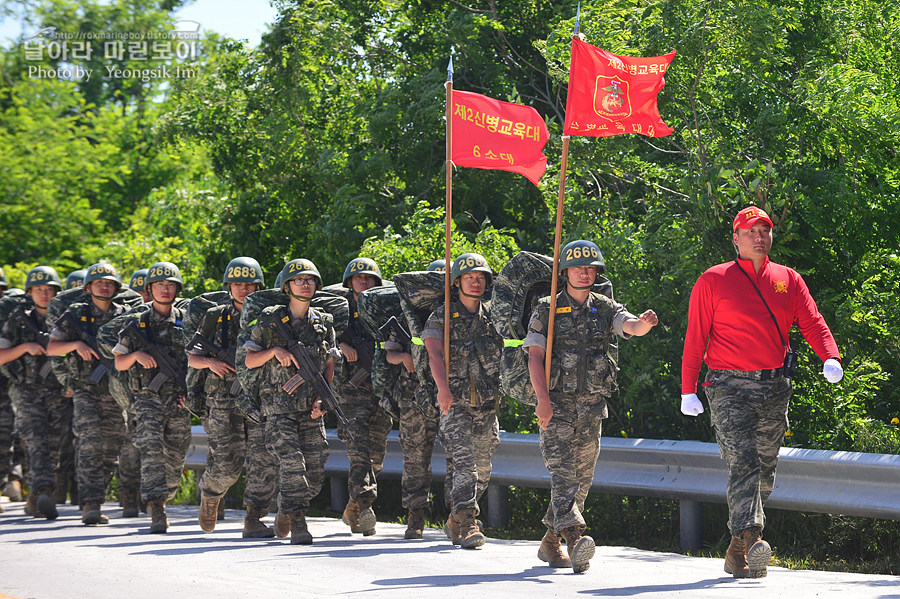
(327, 141)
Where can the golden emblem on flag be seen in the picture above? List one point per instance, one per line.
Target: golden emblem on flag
(780, 286)
(611, 98)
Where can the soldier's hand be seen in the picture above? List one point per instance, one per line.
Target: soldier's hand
(649, 317)
(180, 400)
(544, 413)
(144, 359)
(220, 368)
(317, 410)
(408, 362)
(690, 404)
(85, 352)
(34, 348)
(284, 357)
(445, 400)
(348, 351)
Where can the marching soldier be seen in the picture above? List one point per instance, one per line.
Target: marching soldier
(469, 393)
(572, 405)
(151, 347)
(98, 420)
(370, 424)
(294, 428)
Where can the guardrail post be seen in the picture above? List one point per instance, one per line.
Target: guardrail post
(691, 524)
(339, 493)
(498, 506)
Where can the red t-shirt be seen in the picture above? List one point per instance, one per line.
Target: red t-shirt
(730, 329)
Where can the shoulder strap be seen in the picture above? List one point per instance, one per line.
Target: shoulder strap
(759, 293)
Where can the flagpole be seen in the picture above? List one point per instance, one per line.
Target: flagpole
(448, 210)
(554, 281)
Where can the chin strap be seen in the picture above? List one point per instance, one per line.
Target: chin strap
(580, 288)
(299, 298)
(479, 296)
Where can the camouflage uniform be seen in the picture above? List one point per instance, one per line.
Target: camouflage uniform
(297, 440)
(232, 438)
(163, 427)
(369, 424)
(750, 419)
(417, 434)
(582, 378)
(43, 414)
(7, 435)
(470, 432)
(98, 422)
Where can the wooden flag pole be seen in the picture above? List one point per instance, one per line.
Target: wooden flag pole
(448, 210)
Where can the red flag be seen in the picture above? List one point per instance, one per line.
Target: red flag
(491, 134)
(612, 95)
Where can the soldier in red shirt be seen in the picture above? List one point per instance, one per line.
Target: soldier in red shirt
(738, 322)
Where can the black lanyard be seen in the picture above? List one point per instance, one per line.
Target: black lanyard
(759, 293)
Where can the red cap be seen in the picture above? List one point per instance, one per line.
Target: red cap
(748, 216)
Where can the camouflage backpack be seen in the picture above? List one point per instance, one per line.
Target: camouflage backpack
(9, 304)
(523, 281)
(376, 306)
(197, 308)
(254, 304)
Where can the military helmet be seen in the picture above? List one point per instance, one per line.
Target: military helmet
(42, 275)
(138, 281)
(361, 266)
(299, 267)
(437, 266)
(103, 271)
(164, 271)
(13, 292)
(243, 270)
(3, 282)
(75, 279)
(470, 262)
(581, 253)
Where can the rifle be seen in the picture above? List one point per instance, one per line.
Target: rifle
(423, 400)
(365, 354)
(42, 337)
(400, 333)
(199, 342)
(307, 369)
(105, 365)
(169, 368)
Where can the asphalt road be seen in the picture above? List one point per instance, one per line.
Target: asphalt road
(66, 560)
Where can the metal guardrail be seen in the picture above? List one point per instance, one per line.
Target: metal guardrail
(809, 480)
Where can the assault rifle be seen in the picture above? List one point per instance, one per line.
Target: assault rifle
(199, 342)
(308, 371)
(169, 368)
(365, 354)
(423, 399)
(105, 365)
(399, 332)
(41, 336)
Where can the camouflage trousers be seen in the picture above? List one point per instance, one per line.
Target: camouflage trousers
(99, 426)
(163, 434)
(750, 419)
(370, 426)
(417, 433)
(570, 447)
(233, 440)
(470, 436)
(298, 443)
(130, 457)
(44, 423)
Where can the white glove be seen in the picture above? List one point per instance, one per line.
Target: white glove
(832, 370)
(690, 404)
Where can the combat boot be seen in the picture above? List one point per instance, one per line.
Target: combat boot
(13, 490)
(31, 508)
(550, 551)
(367, 518)
(759, 553)
(159, 524)
(415, 524)
(46, 506)
(208, 509)
(580, 548)
(130, 503)
(736, 559)
(282, 525)
(93, 515)
(299, 532)
(61, 492)
(253, 528)
(470, 536)
(451, 529)
(351, 516)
